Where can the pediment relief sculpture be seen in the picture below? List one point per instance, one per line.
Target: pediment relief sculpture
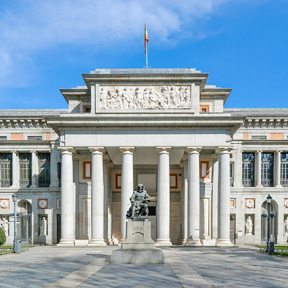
(145, 97)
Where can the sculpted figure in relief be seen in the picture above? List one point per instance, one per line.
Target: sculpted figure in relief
(249, 226)
(43, 227)
(5, 226)
(286, 225)
(145, 97)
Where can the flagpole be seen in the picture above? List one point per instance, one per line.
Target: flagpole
(147, 58)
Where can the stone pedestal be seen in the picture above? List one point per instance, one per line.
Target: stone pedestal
(138, 247)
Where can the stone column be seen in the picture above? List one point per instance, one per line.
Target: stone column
(34, 168)
(15, 169)
(185, 199)
(193, 196)
(163, 197)
(97, 197)
(67, 198)
(238, 167)
(277, 169)
(215, 197)
(258, 169)
(126, 185)
(108, 200)
(224, 197)
(54, 158)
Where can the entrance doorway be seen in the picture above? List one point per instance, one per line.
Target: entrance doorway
(273, 222)
(25, 222)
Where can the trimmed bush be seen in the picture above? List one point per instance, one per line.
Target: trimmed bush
(2, 237)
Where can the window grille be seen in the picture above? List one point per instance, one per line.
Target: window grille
(267, 169)
(259, 137)
(44, 169)
(34, 137)
(284, 169)
(25, 169)
(248, 161)
(5, 170)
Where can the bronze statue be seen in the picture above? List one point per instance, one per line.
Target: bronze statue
(139, 200)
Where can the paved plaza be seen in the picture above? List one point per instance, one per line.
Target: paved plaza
(51, 266)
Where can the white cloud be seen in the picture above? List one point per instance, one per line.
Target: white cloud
(33, 26)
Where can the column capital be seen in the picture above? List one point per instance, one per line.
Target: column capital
(98, 149)
(259, 151)
(163, 149)
(34, 152)
(185, 157)
(191, 149)
(223, 149)
(14, 151)
(107, 157)
(66, 149)
(127, 149)
(278, 151)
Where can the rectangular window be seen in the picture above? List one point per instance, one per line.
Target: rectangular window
(204, 108)
(86, 109)
(284, 169)
(25, 169)
(204, 169)
(259, 137)
(231, 175)
(35, 138)
(87, 169)
(3, 138)
(267, 160)
(44, 169)
(248, 162)
(5, 169)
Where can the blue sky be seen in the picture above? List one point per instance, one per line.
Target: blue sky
(47, 45)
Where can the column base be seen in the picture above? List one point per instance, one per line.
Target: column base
(163, 242)
(209, 242)
(278, 186)
(224, 243)
(195, 242)
(97, 242)
(66, 242)
(259, 185)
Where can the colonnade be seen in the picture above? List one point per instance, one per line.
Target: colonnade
(191, 200)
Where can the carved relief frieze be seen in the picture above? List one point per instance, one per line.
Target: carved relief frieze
(145, 97)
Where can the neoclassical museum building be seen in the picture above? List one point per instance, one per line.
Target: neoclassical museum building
(209, 169)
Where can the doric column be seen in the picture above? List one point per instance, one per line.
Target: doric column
(34, 168)
(126, 185)
(215, 197)
(163, 197)
(97, 197)
(185, 199)
(54, 158)
(224, 197)
(238, 167)
(107, 200)
(258, 169)
(67, 198)
(15, 169)
(193, 196)
(277, 168)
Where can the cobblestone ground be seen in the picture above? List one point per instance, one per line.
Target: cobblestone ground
(50, 266)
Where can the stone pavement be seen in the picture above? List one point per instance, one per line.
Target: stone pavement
(51, 266)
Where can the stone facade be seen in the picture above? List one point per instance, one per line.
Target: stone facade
(210, 169)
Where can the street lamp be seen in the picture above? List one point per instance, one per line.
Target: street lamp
(269, 215)
(14, 198)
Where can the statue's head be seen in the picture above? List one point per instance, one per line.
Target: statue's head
(140, 188)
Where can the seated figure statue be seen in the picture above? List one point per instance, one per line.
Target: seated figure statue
(139, 200)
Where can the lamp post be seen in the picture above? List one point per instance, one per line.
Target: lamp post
(14, 198)
(269, 215)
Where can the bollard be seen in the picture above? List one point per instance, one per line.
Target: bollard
(18, 246)
(271, 248)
